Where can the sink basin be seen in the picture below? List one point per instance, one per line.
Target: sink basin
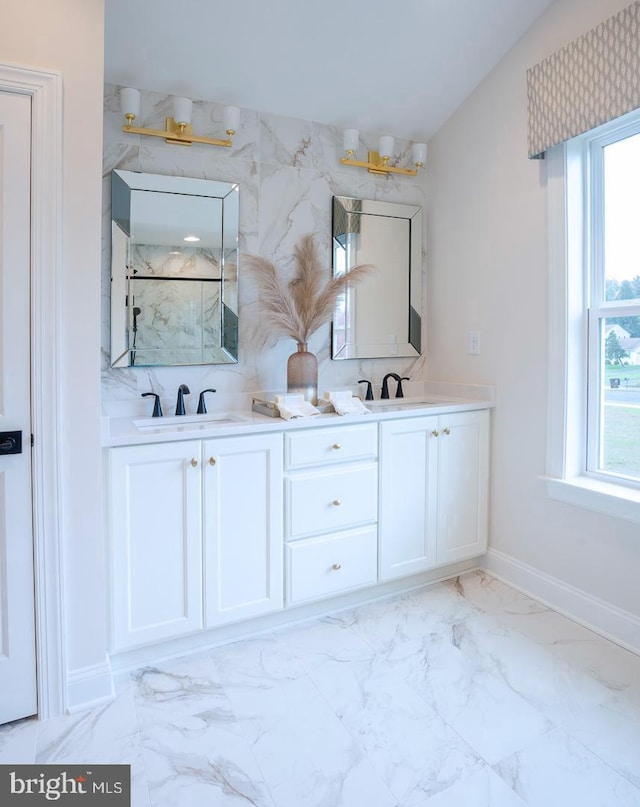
(207, 421)
(404, 403)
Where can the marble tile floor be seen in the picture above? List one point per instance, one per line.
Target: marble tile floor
(462, 694)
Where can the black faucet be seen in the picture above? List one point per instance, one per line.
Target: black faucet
(385, 384)
(369, 393)
(400, 391)
(183, 390)
(157, 406)
(202, 407)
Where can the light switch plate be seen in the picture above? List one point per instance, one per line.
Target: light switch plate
(474, 343)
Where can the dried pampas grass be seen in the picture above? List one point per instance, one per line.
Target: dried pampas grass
(300, 306)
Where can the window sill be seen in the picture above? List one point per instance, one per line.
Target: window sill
(591, 494)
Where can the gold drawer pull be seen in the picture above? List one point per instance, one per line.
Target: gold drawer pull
(435, 432)
(447, 430)
(336, 567)
(337, 502)
(194, 463)
(212, 460)
(336, 446)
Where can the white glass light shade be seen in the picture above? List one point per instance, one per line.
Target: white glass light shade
(386, 146)
(350, 139)
(231, 118)
(130, 101)
(419, 153)
(182, 109)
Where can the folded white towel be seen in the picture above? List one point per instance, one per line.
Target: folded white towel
(345, 403)
(339, 396)
(295, 406)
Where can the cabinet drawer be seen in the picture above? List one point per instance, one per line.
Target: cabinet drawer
(319, 567)
(332, 499)
(338, 444)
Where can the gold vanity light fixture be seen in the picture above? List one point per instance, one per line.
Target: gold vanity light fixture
(178, 128)
(378, 161)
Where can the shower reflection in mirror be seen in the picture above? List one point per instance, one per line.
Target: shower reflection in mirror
(174, 296)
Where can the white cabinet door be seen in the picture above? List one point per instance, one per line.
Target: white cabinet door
(434, 477)
(463, 481)
(243, 527)
(408, 496)
(156, 542)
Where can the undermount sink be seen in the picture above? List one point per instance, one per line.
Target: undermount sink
(404, 403)
(208, 421)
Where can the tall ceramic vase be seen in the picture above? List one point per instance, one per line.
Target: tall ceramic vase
(302, 373)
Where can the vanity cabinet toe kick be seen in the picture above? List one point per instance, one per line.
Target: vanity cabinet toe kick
(208, 533)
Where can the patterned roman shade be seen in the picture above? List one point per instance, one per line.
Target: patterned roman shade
(591, 81)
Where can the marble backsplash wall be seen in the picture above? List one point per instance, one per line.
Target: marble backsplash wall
(176, 321)
(288, 171)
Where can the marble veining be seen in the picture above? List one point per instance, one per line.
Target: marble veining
(288, 170)
(462, 694)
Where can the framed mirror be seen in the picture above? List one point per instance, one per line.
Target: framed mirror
(382, 317)
(174, 270)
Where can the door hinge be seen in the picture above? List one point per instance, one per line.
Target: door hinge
(31, 441)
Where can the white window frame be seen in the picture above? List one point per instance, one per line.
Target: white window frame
(571, 441)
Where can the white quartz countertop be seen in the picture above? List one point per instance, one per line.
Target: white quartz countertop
(125, 431)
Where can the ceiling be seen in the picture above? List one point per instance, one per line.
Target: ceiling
(400, 68)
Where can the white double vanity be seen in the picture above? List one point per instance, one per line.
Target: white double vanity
(221, 525)
(215, 522)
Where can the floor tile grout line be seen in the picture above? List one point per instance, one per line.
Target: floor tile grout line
(604, 761)
(356, 743)
(143, 756)
(547, 609)
(215, 679)
(557, 657)
(248, 743)
(464, 742)
(345, 729)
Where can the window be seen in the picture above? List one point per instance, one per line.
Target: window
(594, 400)
(613, 403)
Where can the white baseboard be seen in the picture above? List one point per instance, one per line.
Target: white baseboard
(89, 686)
(613, 623)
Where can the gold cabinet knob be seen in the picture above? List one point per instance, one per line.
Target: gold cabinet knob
(337, 502)
(336, 446)
(435, 432)
(194, 463)
(336, 567)
(212, 460)
(447, 430)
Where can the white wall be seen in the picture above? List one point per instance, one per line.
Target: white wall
(67, 36)
(487, 266)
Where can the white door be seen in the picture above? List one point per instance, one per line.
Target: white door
(18, 693)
